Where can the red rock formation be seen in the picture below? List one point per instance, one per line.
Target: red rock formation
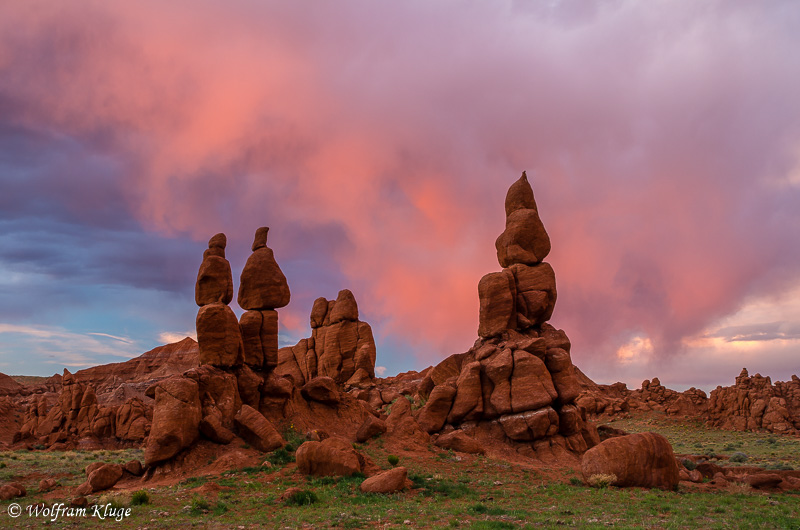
(341, 346)
(218, 334)
(8, 386)
(519, 374)
(755, 403)
(176, 418)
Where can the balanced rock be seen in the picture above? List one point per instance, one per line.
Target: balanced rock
(214, 279)
(262, 284)
(644, 460)
(525, 239)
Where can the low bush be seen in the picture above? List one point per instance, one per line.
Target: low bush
(199, 506)
(140, 497)
(393, 460)
(738, 457)
(602, 480)
(301, 498)
(689, 464)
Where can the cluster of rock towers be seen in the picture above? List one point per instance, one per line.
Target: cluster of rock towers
(253, 340)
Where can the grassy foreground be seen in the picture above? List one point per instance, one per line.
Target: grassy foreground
(450, 491)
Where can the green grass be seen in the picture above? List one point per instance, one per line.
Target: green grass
(474, 492)
(694, 437)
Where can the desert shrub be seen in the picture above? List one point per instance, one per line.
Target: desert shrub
(301, 498)
(771, 440)
(38, 447)
(689, 464)
(140, 497)
(480, 509)
(199, 506)
(293, 439)
(575, 481)
(280, 457)
(3, 465)
(738, 457)
(393, 460)
(220, 508)
(602, 480)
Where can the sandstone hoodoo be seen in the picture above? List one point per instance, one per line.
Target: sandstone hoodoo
(341, 347)
(218, 332)
(262, 290)
(519, 375)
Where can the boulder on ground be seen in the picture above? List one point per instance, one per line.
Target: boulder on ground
(330, 457)
(459, 441)
(763, 481)
(12, 490)
(644, 460)
(47, 484)
(389, 481)
(104, 477)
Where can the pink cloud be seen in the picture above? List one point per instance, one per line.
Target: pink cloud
(659, 138)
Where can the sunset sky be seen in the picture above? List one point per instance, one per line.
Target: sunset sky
(377, 141)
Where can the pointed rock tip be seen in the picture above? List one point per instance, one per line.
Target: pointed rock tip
(520, 196)
(218, 240)
(260, 239)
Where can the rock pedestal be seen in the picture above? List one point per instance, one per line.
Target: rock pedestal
(262, 289)
(218, 334)
(519, 374)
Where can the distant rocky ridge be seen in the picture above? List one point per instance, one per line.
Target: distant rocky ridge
(752, 403)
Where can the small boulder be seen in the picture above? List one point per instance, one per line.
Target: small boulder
(256, 430)
(134, 467)
(321, 389)
(371, 427)
(104, 477)
(12, 490)
(459, 441)
(434, 414)
(389, 481)
(644, 460)
(763, 481)
(47, 484)
(330, 457)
